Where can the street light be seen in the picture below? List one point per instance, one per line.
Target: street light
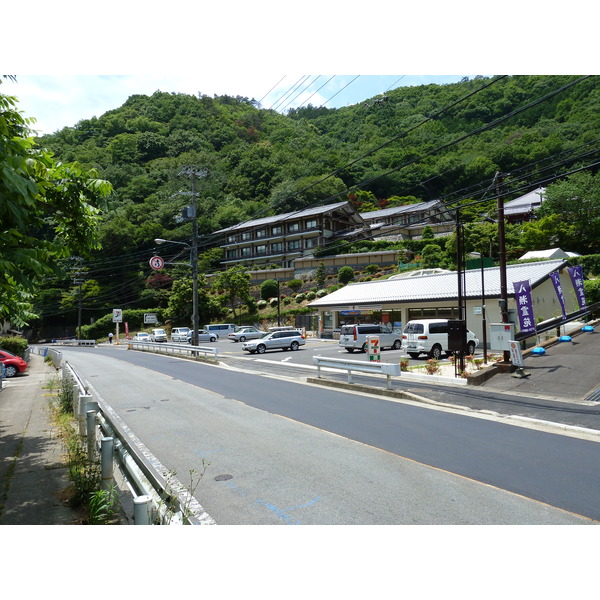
(484, 322)
(194, 265)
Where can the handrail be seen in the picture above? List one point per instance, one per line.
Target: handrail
(171, 503)
(175, 348)
(387, 369)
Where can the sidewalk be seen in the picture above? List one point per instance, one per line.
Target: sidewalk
(32, 471)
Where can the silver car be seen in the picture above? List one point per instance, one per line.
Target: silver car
(245, 333)
(277, 340)
(180, 334)
(203, 336)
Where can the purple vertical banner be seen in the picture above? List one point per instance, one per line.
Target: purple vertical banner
(524, 306)
(558, 287)
(576, 274)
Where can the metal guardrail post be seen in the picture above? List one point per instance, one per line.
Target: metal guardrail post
(83, 399)
(141, 510)
(91, 437)
(106, 462)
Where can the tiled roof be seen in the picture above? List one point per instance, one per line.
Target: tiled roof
(396, 210)
(434, 287)
(297, 214)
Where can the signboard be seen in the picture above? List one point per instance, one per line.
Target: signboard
(117, 315)
(157, 263)
(559, 292)
(524, 306)
(373, 348)
(150, 318)
(576, 274)
(516, 357)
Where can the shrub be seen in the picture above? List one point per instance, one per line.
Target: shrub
(299, 298)
(295, 284)
(372, 269)
(268, 289)
(286, 300)
(274, 302)
(261, 304)
(14, 345)
(310, 296)
(345, 275)
(321, 293)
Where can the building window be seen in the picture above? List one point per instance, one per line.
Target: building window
(246, 252)
(294, 245)
(278, 247)
(262, 249)
(292, 227)
(231, 239)
(311, 224)
(277, 230)
(261, 233)
(310, 242)
(231, 253)
(247, 235)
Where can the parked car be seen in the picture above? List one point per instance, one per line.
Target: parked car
(141, 336)
(430, 336)
(203, 336)
(180, 334)
(245, 333)
(354, 337)
(12, 364)
(158, 335)
(277, 340)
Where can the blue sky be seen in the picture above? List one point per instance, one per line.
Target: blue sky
(58, 101)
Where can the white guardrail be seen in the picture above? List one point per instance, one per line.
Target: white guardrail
(183, 348)
(387, 369)
(158, 498)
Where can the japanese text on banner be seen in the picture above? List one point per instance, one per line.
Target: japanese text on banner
(524, 306)
(559, 292)
(576, 274)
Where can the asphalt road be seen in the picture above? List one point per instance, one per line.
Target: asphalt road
(286, 452)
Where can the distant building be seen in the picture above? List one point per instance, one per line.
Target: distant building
(524, 208)
(281, 239)
(548, 254)
(407, 222)
(291, 238)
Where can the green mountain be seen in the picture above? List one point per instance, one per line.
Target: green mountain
(413, 143)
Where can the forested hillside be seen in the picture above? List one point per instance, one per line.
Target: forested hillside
(416, 143)
(259, 160)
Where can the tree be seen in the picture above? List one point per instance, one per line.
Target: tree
(345, 275)
(48, 210)
(427, 233)
(432, 256)
(576, 200)
(320, 275)
(236, 283)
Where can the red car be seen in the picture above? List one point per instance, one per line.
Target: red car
(12, 364)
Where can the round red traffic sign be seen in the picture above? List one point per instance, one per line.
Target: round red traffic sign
(156, 262)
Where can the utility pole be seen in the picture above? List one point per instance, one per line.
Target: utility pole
(193, 174)
(502, 256)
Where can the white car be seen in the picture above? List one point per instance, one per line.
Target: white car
(158, 335)
(245, 333)
(430, 336)
(278, 340)
(180, 334)
(141, 336)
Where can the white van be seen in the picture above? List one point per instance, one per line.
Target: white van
(220, 330)
(354, 337)
(430, 336)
